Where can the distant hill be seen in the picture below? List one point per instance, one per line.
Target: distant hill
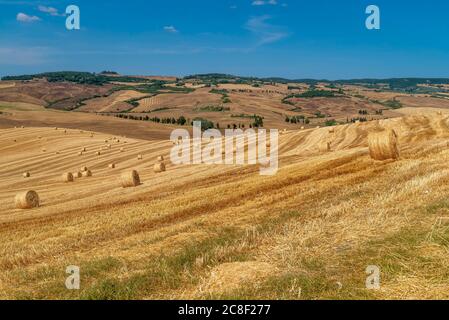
(401, 84)
(77, 77)
(396, 84)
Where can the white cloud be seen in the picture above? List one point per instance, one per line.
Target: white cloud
(22, 17)
(264, 2)
(50, 10)
(170, 29)
(266, 32)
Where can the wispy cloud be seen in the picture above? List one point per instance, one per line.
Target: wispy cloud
(22, 17)
(16, 2)
(170, 29)
(23, 56)
(134, 51)
(49, 10)
(266, 32)
(264, 2)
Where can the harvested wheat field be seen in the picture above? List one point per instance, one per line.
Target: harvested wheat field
(199, 97)
(308, 232)
(113, 103)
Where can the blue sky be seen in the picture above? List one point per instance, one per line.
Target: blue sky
(286, 38)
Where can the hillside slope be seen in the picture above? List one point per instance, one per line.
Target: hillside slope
(308, 232)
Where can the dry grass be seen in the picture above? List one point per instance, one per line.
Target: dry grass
(179, 101)
(308, 232)
(7, 84)
(113, 103)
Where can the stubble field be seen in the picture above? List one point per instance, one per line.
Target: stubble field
(200, 231)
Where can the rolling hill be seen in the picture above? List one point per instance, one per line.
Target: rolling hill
(309, 232)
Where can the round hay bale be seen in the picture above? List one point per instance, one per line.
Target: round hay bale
(87, 173)
(160, 158)
(324, 146)
(109, 146)
(26, 175)
(122, 150)
(27, 200)
(112, 166)
(331, 130)
(67, 177)
(159, 167)
(130, 179)
(98, 153)
(84, 149)
(77, 174)
(80, 153)
(383, 145)
(44, 150)
(268, 145)
(139, 157)
(302, 128)
(83, 169)
(56, 128)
